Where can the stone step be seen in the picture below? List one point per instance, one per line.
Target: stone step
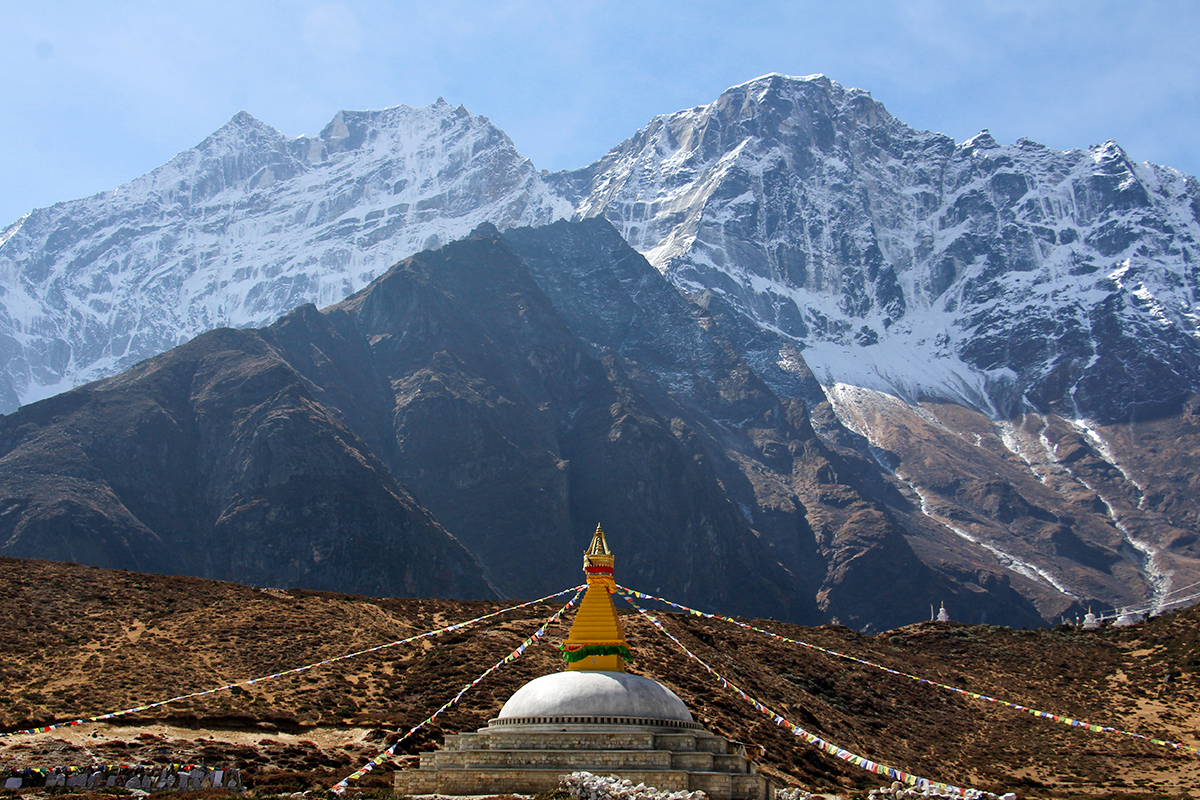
(492, 739)
(589, 760)
(596, 738)
(568, 760)
(701, 740)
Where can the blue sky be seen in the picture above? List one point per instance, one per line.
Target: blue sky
(95, 94)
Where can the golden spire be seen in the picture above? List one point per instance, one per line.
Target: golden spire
(596, 641)
(598, 547)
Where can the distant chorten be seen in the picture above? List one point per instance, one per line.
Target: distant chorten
(943, 614)
(1127, 618)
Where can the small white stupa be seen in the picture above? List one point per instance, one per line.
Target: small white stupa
(943, 614)
(1127, 618)
(1090, 623)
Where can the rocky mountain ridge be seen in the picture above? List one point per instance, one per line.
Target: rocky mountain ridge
(456, 388)
(1002, 326)
(1017, 277)
(806, 205)
(981, 358)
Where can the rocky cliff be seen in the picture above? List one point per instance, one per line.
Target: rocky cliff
(1004, 278)
(218, 459)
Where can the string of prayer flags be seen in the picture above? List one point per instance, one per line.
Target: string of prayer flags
(1065, 720)
(838, 752)
(340, 787)
(137, 709)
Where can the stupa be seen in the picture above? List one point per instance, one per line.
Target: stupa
(593, 716)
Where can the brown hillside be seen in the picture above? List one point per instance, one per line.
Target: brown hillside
(78, 641)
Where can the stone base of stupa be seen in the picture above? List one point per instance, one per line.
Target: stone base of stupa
(528, 759)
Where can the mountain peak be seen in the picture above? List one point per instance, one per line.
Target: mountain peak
(777, 81)
(800, 100)
(981, 141)
(1108, 151)
(777, 78)
(485, 230)
(244, 118)
(241, 130)
(349, 130)
(244, 121)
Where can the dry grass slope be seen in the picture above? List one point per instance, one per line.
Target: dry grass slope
(77, 642)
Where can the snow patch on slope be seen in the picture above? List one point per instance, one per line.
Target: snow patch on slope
(1040, 455)
(856, 405)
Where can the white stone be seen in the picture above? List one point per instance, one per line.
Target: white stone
(586, 786)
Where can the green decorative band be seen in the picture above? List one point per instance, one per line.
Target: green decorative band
(580, 652)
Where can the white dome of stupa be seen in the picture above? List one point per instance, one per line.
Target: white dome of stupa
(595, 698)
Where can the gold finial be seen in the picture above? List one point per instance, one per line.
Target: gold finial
(598, 560)
(598, 547)
(596, 640)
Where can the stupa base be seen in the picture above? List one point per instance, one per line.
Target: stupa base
(516, 759)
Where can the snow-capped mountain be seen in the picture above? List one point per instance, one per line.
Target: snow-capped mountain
(1002, 277)
(1011, 329)
(241, 228)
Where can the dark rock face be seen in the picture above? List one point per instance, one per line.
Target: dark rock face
(521, 388)
(217, 460)
(805, 502)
